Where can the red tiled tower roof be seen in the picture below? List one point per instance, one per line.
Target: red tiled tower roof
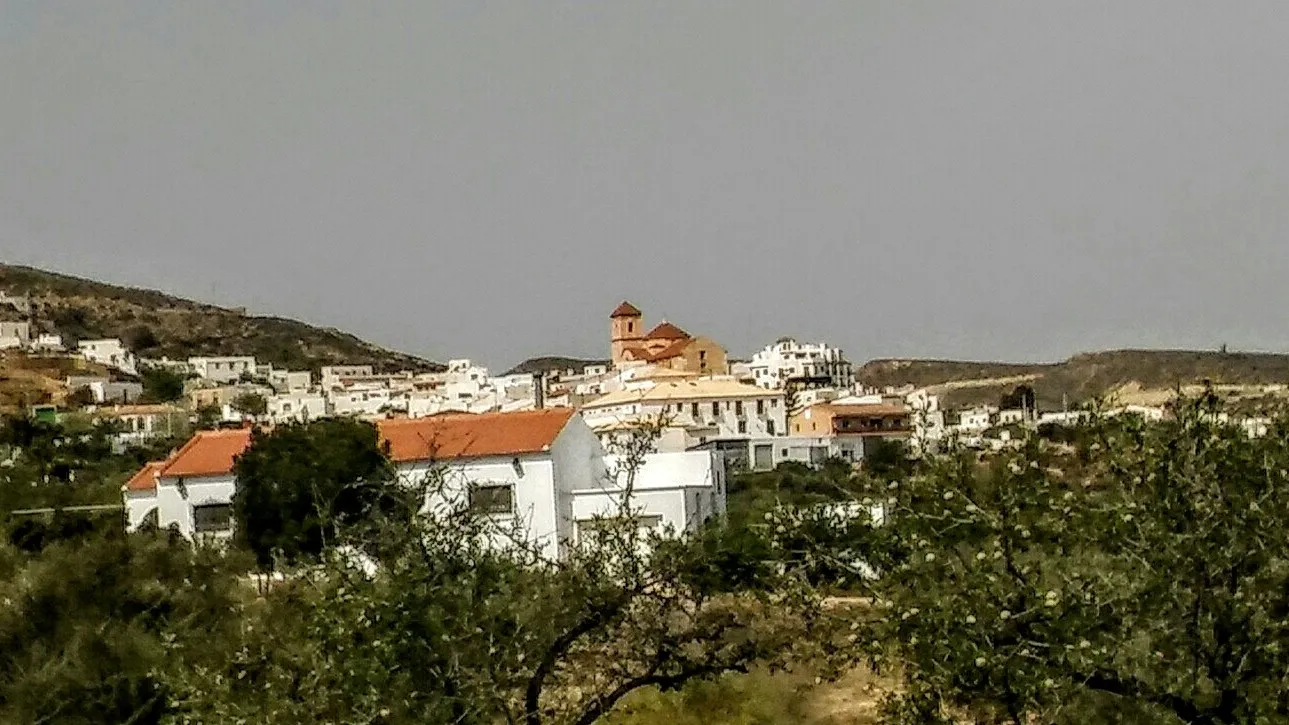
(626, 309)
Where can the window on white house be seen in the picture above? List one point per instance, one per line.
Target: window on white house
(211, 517)
(589, 530)
(492, 498)
(742, 426)
(769, 427)
(716, 408)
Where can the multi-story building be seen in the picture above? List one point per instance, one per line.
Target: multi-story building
(332, 375)
(544, 470)
(223, 369)
(854, 429)
(109, 352)
(290, 381)
(692, 410)
(297, 407)
(810, 366)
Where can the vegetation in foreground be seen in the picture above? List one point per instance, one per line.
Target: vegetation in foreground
(1122, 572)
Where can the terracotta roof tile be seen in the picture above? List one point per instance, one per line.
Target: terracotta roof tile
(441, 437)
(675, 349)
(209, 453)
(146, 478)
(666, 331)
(469, 436)
(626, 309)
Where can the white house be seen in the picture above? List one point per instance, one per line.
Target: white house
(333, 374)
(976, 420)
(540, 469)
(223, 369)
(108, 352)
(678, 491)
(138, 424)
(298, 407)
(15, 333)
(290, 381)
(816, 365)
(47, 342)
(703, 408)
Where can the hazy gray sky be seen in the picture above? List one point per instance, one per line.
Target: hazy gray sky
(1017, 180)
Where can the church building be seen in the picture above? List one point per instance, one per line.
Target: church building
(665, 346)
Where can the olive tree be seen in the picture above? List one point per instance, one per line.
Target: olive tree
(1147, 578)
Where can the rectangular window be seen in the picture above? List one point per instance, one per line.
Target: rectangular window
(598, 529)
(716, 408)
(760, 407)
(769, 427)
(693, 409)
(491, 498)
(742, 426)
(738, 407)
(212, 517)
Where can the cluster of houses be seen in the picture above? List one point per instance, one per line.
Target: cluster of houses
(545, 449)
(540, 449)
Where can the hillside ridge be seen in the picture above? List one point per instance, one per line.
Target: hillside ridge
(1080, 378)
(158, 324)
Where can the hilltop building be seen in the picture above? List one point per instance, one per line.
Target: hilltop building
(665, 346)
(808, 366)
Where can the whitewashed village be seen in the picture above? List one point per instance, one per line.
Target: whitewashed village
(541, 446)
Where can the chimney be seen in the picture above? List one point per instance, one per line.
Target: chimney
(539, 390)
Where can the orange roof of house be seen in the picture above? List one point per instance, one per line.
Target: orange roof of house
(626, 309)
(667, 331)
(209, 453)
(471, 436)
(146, 478)
(440, 437)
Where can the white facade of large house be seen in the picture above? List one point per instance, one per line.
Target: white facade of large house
(222, 369)
(109, 352)
(298, 407)
(787, 360)
(544, 470)
(692, 410)
(332, 375)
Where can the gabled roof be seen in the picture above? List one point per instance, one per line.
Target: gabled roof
(146, 478)
(675, 349)
(666, 331)
(626, 309)
(208, 453)
(473, 435)
(441, 437)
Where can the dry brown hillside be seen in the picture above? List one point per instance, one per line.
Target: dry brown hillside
(1082, 377)
(155, 324)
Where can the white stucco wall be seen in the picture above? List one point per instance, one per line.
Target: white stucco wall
(684, 488)
(137, 506)
(173, 507)
(536, 509)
